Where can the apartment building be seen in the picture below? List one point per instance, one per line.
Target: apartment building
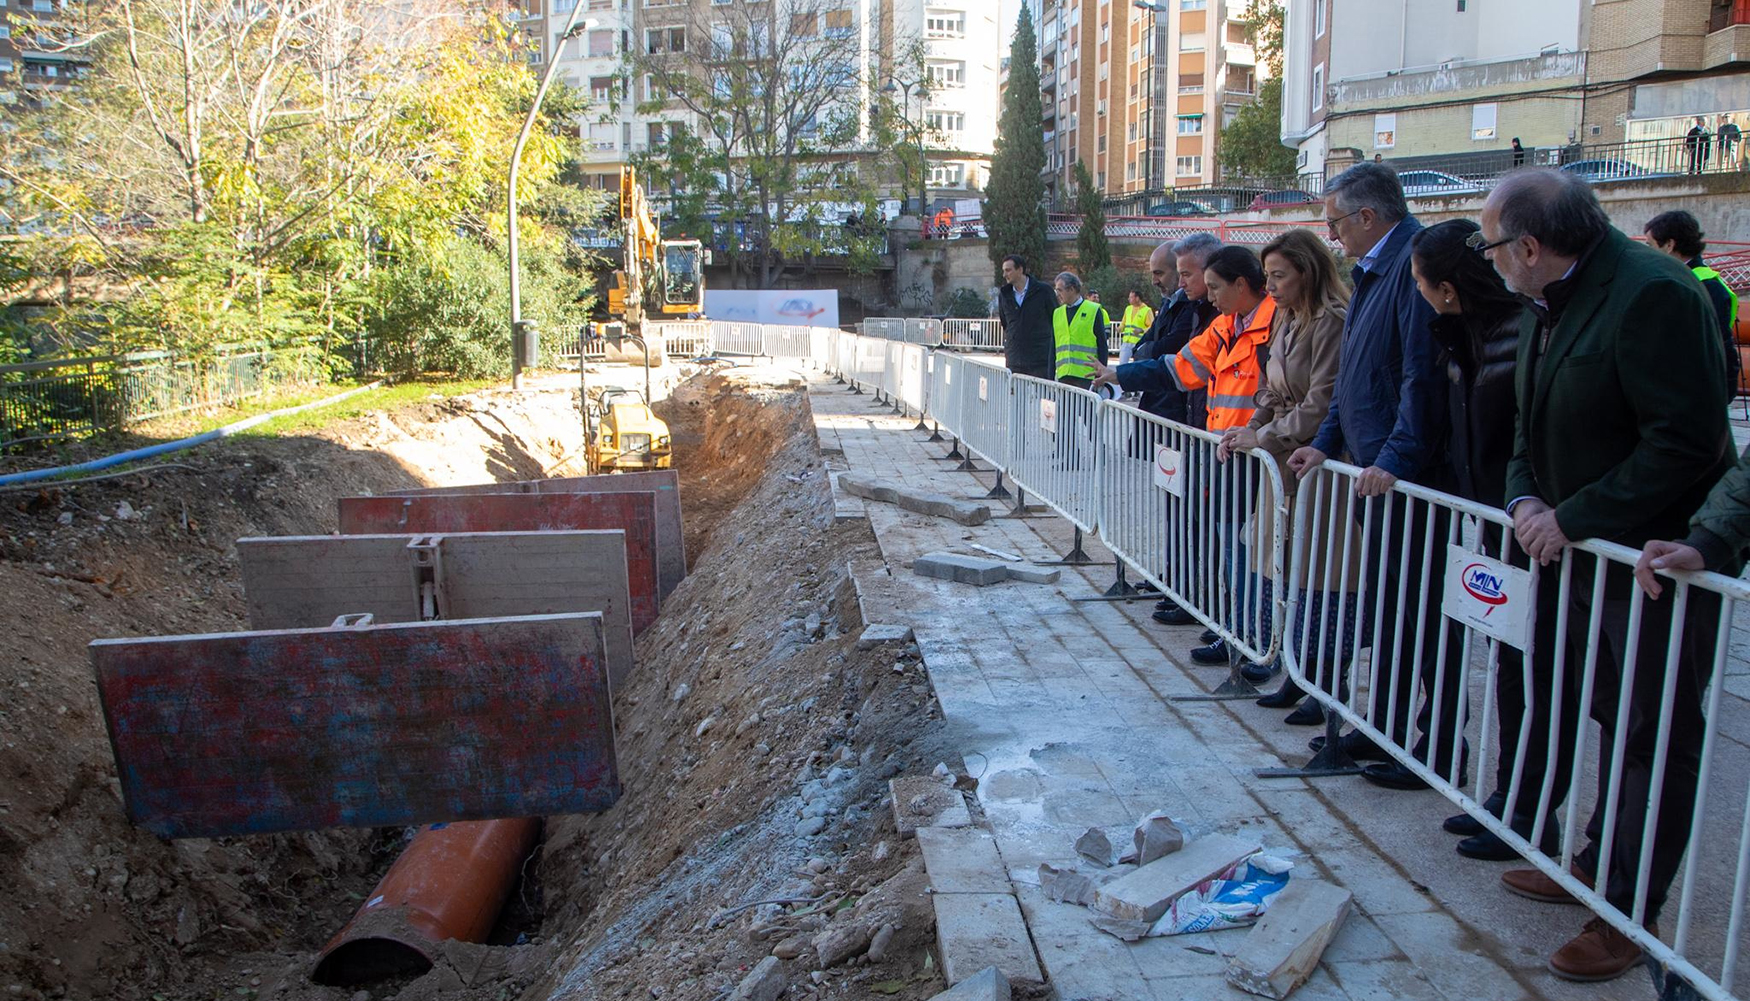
(963, 55)
(593, 61)
(1139, 91)
(1454, 81)
(32, 59)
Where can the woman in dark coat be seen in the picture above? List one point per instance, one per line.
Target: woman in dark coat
(1476, 324)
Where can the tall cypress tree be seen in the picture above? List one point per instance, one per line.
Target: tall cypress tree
(1014, 210)
(1093, 252)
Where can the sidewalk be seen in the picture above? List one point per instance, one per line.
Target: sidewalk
(1061, 710)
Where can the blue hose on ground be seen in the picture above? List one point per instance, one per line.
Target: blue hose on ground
(148, 452)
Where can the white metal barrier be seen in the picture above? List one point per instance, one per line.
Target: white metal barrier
(684, 338)
(985, 410)
(736, 338)
(1453, 613)
(972, 335)
(1051, 447)
(911, 381)
(1208, 532)
(947, 381)
(778, 341)
(888, 328)
(925, 332)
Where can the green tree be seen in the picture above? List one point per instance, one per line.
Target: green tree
(1251, 145)
(1014, 209)
(1093, 251)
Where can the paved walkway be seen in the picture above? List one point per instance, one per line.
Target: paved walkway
(1062, 710)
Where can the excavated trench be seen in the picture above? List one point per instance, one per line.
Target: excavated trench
(754, 738)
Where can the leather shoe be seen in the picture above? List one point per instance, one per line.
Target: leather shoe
(1353, 744)
(1208, 636)
(1532, 884)
(1283, 697)
(1214, 653)
(1308, 713)
(1170, 614)
(1486, 846)
(1257, 674)
(1391, 775)
(1598, 953)
(1464, 825)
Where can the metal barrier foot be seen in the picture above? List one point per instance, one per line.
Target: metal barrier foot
(1330, 761)
(968, 466)
(1020, 508)
(1235, 687)
(1120, 587)
(954, 453)
(999, 491)
(856, 390)
(1078, 557)
(936, 435)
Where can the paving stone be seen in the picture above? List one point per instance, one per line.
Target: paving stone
(1029, 574)
(962, 860)
(876, 633)
(1080, 962)
(923, 801)
(911, 499)
(1145, 894)
(961, 569)
(987, 984)
(976, 930)
(1285, 946)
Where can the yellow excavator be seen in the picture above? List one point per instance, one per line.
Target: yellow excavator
(657, 278)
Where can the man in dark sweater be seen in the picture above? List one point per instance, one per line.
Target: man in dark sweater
(1025, 305)
(1185, 311)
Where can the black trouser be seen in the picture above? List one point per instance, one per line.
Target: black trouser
(1396, 561)
(1694, 668)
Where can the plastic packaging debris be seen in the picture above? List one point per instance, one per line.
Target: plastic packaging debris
(1234, 899)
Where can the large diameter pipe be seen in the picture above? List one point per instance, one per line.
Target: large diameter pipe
(450, 883)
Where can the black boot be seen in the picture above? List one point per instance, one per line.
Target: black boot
(1486, 846)
(1169, 613)
(1465, 825)
(1282, 698)
(1214, 653)
(1308, 713)
(1257, 674)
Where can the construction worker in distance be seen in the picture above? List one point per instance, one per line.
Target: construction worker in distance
(1138, 317)
(1678, 234)
(1078, 328)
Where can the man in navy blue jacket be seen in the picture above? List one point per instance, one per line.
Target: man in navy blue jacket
(1388, 414)
(1025, 305)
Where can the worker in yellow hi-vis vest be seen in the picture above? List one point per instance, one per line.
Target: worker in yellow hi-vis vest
(1138, 317)
(1079, 330)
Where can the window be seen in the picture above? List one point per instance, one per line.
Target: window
(601, 89)
(1191, 41)
(805, 25)
(1190, 83)
(601, 44)
(5, 31)
(45, 6)
(601, 135)
(1130, 172)
(1189, 166)
(535, 50)
(1319, 18)
(1237, 34)
(840, 23)
(1190, 125)
(1482, 121)
(563, 6)
(722, 41)
(5, 64)
(948, 74)
(1385, 131)
(1100, 180)
(947, 121)
(601, 4)
(1318, 87)
(1193, 4)
(660, 40)
(947, 175)
(1100, 144)
(944, 24)
(719, 3)
(1130, 132)
(656, 133)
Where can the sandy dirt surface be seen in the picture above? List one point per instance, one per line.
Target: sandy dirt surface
(754, 739)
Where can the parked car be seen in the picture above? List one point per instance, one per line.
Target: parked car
(1290, 196)
(1435, 182)
(1178, 210)
(1605, 169)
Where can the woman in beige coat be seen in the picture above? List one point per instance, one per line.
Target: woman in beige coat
(1299, 372)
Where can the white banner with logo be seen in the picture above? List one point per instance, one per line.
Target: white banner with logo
(1170, 470)
(1048, 416)
(1488, 596)
(792, 307)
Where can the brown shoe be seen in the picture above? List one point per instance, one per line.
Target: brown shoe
(1532, 884)
(1599, 952)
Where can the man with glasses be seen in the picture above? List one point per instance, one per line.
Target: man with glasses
(1621, 434)
(1389, 415)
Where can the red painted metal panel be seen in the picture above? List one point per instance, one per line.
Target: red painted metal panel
(634, 513)
(363, 726)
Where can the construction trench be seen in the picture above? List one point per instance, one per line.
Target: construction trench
(754, 737)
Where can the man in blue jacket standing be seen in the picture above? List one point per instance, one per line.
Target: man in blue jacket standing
(1388, 414)
(1025, 304)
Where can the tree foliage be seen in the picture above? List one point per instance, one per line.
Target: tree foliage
(1014, 210)
(780, 115)
(1093, 251)
(288, 171)
(1251, 144)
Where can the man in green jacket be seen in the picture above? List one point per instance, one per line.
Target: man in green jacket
(1620, 436)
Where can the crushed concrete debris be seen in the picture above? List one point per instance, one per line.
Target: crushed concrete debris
(876, 633)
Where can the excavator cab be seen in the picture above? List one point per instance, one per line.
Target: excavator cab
(683, 276)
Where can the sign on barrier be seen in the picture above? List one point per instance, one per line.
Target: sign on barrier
(1170, 470)
(1048, 416)
(1489, 596)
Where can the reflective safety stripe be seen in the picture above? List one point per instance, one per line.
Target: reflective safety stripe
(1074, 349)
(1235, 402)
(1197, 367)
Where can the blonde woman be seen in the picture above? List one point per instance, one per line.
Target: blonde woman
(1299, 375)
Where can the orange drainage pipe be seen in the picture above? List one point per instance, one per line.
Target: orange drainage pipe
(450, 883)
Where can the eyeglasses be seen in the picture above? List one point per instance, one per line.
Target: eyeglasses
(1331, 224)
(1480, 243)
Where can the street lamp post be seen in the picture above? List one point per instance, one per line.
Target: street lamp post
(904, 89)
(517, 331)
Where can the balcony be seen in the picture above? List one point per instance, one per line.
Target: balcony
(1729, 15)
(1728, 38)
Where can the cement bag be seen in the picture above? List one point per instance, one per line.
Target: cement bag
(1236, 898)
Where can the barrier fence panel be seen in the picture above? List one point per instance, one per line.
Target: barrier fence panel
(684, 339)
(889, 328)
(1209, 531)
(947, 378)
(912, 386)
(890, 372)
(1051, 447)
(986, 407)
(783, 341)
(736, 338)
(1473, 645)
(925, 332)
(869, 366)
(823, 348)
(972, 335)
